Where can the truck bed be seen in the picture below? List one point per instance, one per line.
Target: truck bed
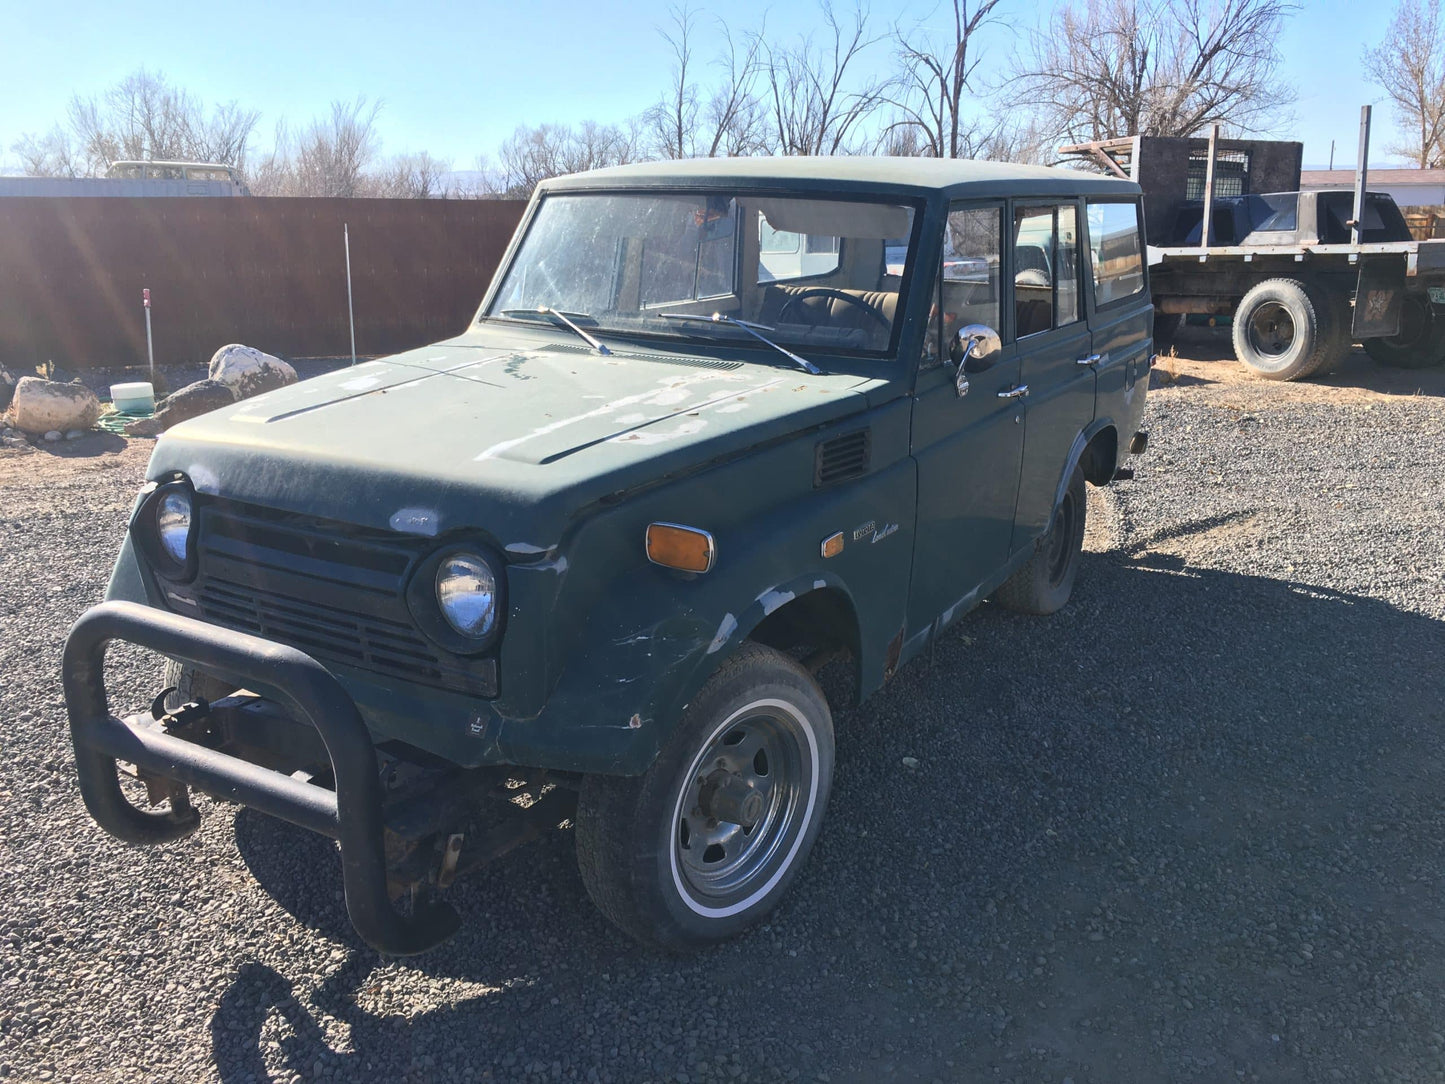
(1422, 257)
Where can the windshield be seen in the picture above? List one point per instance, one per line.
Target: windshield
(820, 273)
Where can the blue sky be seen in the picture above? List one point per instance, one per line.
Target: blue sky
(456, 78)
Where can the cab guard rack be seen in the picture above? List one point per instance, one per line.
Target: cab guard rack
(352, 814)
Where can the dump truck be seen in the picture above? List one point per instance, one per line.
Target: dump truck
(1301, 275)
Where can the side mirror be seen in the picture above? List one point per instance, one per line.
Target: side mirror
(974, 349)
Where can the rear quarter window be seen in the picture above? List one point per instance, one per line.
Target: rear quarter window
(1116, 251)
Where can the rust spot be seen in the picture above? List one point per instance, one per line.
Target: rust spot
(890, 663)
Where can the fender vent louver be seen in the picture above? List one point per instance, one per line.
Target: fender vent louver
(842, 458)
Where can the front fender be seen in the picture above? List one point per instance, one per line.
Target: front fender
(655, 637)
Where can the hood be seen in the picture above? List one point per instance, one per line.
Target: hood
(510, 434)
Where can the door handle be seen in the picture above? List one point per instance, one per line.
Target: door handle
(1014, 393)
(1090, 360)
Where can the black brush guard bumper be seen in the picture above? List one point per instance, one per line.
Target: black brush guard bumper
(351, 814)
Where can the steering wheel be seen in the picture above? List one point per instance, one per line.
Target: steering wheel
(823, 291)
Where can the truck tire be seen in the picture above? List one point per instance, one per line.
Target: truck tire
(190, 684)
(1338, 340)
(1421, 342)
(666, 855)
(1044, 584)
(1283, 329)
(1166, 329)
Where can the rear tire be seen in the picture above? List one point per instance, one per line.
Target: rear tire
(1044, 584)
(1340, 341)
(1282, 329)
(666, 856)
(1421, 342)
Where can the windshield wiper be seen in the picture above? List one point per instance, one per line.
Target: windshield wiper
(752, 329)
(547, 310)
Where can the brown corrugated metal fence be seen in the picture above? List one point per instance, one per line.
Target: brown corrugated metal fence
(266, 272)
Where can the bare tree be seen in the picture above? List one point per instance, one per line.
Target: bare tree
(934, 81)
(531, 155)
(1154, 67)
(727, 120)
(328, 158)
(735, 116)
(49, 155)
(333, 153)
(1409, 65)
(410, 176)
(815, 108)
(673, 119)
(142, 117)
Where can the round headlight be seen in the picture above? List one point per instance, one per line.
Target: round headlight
(467, 594)
(173, 524)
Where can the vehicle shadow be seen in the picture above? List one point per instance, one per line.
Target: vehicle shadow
(1186, 772)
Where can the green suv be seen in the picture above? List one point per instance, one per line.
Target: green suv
(716, 424)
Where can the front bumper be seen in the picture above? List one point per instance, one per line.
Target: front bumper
(352, 813)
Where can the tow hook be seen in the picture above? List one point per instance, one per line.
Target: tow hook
(190, 712)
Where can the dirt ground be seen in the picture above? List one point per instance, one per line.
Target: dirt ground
(1190, 827)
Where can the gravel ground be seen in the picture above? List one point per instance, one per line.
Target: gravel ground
(1189, 828)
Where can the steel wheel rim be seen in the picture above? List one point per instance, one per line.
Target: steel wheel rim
(721, 862)
(1058, 541)
(1271, 330)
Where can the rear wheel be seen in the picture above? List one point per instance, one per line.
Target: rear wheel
(1044, 584)
(1283, 330)
(707, 841)
(1421, 341)
(1341, 339)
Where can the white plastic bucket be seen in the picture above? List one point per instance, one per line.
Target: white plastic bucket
(135, 398)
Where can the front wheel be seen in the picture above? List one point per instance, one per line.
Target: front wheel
(1421, 341)
(707, 841)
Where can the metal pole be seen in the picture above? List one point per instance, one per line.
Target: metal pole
(1204, 230)
(1361, 175)
(145, 300)
(350, 312)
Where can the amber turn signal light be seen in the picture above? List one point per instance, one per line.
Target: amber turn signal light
(833, 545)
(686, 548)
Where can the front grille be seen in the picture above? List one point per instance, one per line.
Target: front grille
(334, 592)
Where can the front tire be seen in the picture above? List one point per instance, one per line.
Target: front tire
(191, 684)
(667, 856)
(1421, 342)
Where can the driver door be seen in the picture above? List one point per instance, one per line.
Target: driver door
(968, 447)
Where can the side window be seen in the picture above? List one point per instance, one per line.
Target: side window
(1115, 251)
(968, 288)
(784, 255)
(1046, 268)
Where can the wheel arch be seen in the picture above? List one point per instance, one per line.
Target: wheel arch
(1096, 450)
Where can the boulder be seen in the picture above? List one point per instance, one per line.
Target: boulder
(7, 389)
(41, 406)
(249, 371)
(192, 401)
